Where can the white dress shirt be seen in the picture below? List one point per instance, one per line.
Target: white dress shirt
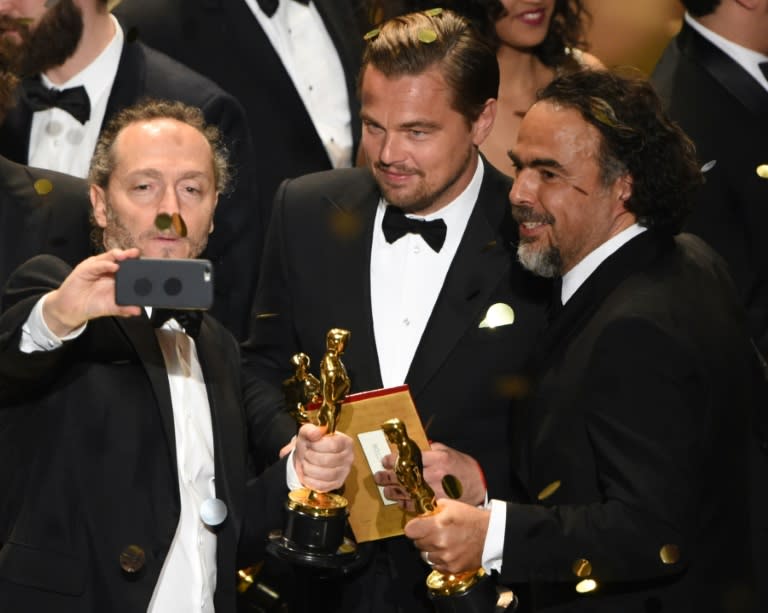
(58, 141)
(187, 580)
(493, 548)
(748, 59)
(406, 279)
(300, 39)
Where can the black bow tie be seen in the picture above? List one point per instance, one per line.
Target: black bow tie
(396, 225)
(764, 67)
(73, 100)
(189, 320)
(270, 6)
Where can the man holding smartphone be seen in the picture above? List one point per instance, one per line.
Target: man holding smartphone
(123, 448)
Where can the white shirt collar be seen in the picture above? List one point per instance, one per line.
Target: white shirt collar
(574, 278)
(748, 59)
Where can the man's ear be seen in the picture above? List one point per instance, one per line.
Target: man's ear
(99, 204)
(623, 188)
(482, 126)
(215, 204)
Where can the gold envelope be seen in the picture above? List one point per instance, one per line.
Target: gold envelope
(369, 518)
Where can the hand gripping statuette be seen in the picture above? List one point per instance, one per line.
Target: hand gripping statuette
(468, 592)
(316, 521)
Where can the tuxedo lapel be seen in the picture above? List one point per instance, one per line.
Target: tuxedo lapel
(723, 69)
(129, 79)
(591, 295)
(226, 417)
(352, 260)
(483, 258)
(14, 131)
(141, 335)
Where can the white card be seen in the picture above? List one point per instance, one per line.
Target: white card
(375, 447)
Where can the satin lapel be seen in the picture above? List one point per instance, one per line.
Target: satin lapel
(142, 336)
(482, 259)
(129, 80)
(229, 437)
(723, 69)
(14, 131)
(353, 289)
(631, 257)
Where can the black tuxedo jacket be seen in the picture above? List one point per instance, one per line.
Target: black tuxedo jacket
(223, 40)
(637, 446)
(34, 220)
(725, 112)
(236, 245)
(88, 460)
(463, 378)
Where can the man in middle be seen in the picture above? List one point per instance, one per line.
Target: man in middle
(415, 256)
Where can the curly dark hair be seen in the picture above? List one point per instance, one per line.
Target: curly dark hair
(566, 30)
(637, 139)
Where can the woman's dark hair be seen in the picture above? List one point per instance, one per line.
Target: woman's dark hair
(566, 30)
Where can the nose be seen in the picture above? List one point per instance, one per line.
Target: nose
(169, 201)
(391, 151)
(523, 187)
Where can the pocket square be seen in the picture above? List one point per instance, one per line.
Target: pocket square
(498, 314)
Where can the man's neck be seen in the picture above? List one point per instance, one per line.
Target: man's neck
(739, 25)
(98, 30)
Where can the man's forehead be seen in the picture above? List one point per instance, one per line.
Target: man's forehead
(557, 127)
(162, 137)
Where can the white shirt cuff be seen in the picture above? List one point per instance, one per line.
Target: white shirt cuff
(291, 477)
(493, 548)
(37, 336)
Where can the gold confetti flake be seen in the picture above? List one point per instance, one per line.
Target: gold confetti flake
(549, 490)
(582, 568)
(670, 554)
(43, 187)
(427, 35)
(586, 586)
(371, 34)
(433, 12)
(164, 221)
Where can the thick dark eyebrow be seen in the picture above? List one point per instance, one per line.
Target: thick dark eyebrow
(419, 124)
(536, 162)
(543, 163)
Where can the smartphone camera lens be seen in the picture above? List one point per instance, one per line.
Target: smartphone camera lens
(173, 286)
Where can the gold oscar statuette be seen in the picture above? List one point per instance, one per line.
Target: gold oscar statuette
(316, 521)
(468, 592)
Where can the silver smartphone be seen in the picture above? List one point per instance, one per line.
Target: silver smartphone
(166, 283)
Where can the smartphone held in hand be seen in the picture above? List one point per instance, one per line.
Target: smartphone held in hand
(166, 283)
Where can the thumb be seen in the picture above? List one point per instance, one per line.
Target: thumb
(311, 433)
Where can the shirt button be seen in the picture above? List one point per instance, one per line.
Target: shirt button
(417, 248)
(406, 322)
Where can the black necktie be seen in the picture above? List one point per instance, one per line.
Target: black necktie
(189, 320)
(396, 225)
(270, 6)
(764, 67)
(73, 100)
